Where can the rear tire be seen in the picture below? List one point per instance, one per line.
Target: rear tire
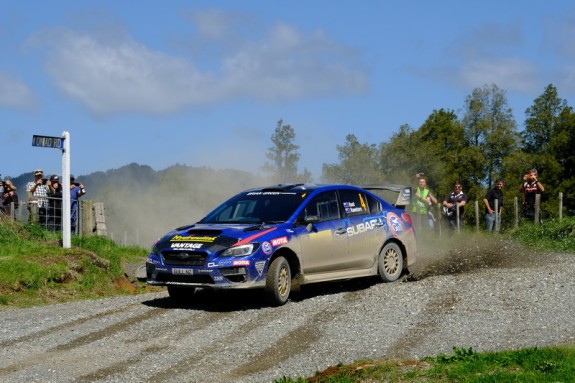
(278, 282)
(390, 262)
(181, 294)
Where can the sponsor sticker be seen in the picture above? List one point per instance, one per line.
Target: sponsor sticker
(193, 238)
(267, 248)
(279, 241)
(394, 224)
(260, 267)
(243, 262)
(185, 246)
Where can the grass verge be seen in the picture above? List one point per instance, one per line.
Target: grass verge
(36, 270)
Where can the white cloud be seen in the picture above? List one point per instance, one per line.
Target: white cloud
(14, 93)
(511, 74)
(123, 75)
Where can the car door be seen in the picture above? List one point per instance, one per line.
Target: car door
(327, 242)
(365, 229)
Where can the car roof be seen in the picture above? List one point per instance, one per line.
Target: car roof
(299, 187)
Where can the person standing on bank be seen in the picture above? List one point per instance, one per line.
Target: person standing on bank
(494, 194)
(76, 191)
(37, 192)
(453, 202)
(423, 202)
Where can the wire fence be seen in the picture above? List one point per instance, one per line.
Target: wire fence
(47, 213)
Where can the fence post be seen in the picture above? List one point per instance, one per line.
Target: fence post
(87, 219)
(476, 215)
(516, 212)
(560, 206)
(100, 218)
(537, 207)
(497, 228)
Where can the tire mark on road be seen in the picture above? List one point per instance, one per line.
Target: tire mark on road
(63, 326)
(293, 343)
(81, 341)
(431, 320)
(183, 366)
(121, 366)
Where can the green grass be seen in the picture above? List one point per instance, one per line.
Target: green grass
(36, 270)
(537, 365)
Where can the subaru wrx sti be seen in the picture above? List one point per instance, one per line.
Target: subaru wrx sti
(280, 237)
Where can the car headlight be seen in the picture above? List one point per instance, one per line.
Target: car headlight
(240, 251)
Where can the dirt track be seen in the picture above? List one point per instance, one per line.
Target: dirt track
(490, 298)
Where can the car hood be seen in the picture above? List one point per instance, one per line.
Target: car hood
(213, 237)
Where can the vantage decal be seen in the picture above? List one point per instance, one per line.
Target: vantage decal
(186, 245)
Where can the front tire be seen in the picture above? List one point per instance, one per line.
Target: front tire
(278, 282)
(181, 294)
(390, 262)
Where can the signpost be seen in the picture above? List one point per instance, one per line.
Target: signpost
(62, 143)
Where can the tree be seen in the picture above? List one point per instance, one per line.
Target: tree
(284, 156)
(358, 164)
(490, 134)
(541, 119)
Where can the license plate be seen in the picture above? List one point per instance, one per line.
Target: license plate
(182, 271)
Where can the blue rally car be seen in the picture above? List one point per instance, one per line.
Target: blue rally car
(283, 236)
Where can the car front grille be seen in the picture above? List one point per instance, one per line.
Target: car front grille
(182, 258)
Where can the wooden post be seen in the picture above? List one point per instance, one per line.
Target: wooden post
(560, 206)
(516, 212)
(86, 218)
(496, 228)
(476, 215)
(100, 218)
(537, 207)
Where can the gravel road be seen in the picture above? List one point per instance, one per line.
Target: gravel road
(489, 298)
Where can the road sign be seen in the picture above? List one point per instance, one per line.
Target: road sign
(48, 142)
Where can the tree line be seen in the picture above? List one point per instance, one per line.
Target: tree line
(481, 146)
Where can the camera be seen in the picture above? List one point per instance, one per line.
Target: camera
(76, 184)
(44, 180)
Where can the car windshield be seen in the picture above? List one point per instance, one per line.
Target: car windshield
(256, 207)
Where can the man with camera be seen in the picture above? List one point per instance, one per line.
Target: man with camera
(37, 192)
(530, 188)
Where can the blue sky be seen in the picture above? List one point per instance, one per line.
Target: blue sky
(203, 83)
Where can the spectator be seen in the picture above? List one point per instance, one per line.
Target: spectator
(530, 188)
(455, 202)
(494, 194)
(422, 203)
(37, 198)
(54, 203)
(76, 191)
(9, 196)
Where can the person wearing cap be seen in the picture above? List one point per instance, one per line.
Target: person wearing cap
(54, 213)
(37, 192)
(9, 197)
(76, 191)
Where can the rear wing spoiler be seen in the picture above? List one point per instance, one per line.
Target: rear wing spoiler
(398, 195)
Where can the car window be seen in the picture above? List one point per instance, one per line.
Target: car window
(323, 207)
(256, 207)
(374, 205)
(354, 202)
